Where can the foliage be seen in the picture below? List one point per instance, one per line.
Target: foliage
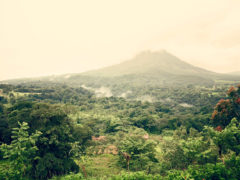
(225, 110)
(70, 176)
(227, 139)
(167, 136)
(141, 151)
(56, 140)
(21, 153)
(233, 165)
(5, 132)
(135, 176)
(209, 171)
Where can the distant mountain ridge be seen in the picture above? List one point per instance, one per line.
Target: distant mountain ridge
(147, 69)
(234, 73)
(159, 62)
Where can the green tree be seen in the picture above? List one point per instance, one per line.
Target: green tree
(210, 171)
(5, 131)
(55, 143)
(142, 152)
(226, 110)
(173, 155)
(227, 139)
(21, 152)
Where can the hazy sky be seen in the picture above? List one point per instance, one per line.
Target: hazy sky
(45, 37)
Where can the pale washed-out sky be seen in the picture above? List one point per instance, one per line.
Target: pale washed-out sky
(46, 37)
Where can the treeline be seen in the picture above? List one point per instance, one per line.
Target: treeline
(53, 146)
(153, 117)
(48, 130)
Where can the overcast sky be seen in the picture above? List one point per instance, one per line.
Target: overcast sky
(46, 37)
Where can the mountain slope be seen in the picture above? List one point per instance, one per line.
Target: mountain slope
(236, 73)
(151, 63)
(147, 69)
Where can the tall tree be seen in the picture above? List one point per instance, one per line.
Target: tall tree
(55, 142)
(227, 109)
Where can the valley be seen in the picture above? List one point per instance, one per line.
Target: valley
(152, 117)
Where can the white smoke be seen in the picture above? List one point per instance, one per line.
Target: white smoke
(146, 98)
(103, 92)
(186, 105)
(99, 92)
(125, 94)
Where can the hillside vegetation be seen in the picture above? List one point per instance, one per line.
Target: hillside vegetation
(152, 117)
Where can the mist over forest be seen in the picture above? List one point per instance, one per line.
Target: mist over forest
(151, 117)
(119, 90)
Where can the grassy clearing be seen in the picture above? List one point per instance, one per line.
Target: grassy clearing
(96, 166)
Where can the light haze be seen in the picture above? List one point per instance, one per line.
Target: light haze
(55, 37)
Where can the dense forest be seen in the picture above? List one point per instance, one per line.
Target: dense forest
(120, 90)
(55, 131)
